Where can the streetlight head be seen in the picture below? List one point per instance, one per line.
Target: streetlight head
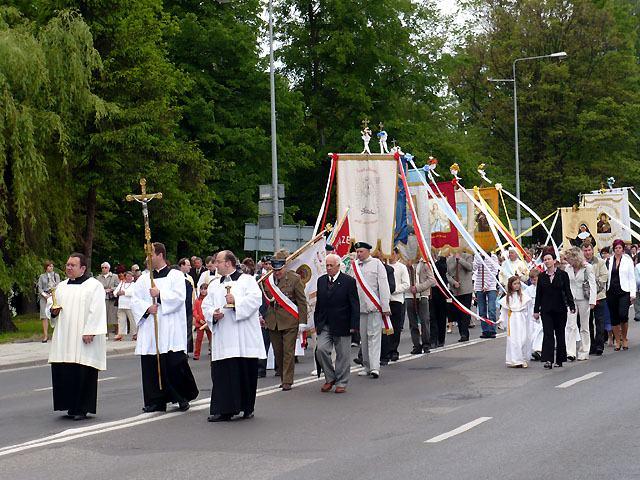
(559, 55)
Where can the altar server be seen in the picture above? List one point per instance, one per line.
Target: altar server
(166, 300)
(78, 348)
(231, 310)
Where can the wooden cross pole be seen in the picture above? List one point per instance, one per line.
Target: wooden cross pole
(143, 199)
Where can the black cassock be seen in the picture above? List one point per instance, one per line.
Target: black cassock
(178, 384)
(235, 381)
(75, 388)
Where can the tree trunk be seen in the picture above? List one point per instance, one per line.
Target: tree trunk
(6, 324)
(92, 200)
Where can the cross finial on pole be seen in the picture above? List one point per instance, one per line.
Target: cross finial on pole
(365, 123)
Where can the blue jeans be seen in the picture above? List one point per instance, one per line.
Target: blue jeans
(487, 309)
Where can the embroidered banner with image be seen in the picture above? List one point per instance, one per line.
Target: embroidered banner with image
(612, 203)
(578, 225)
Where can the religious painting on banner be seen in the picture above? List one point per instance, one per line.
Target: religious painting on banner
(367, 186)
(610, 204)
(579, 224)
(309, 264)
(481, 230)
(419, 196)
(443, 233)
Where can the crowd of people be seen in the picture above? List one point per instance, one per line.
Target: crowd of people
(553, 310)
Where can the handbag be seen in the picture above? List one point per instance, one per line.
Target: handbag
(586, 288)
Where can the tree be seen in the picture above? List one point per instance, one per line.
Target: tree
(578, 119)
(45, 77)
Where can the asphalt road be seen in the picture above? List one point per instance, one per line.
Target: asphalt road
(457, 413)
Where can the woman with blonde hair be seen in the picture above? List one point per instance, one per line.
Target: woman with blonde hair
(583, 288)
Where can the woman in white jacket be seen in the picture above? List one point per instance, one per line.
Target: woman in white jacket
(621, 293)
(583, 287)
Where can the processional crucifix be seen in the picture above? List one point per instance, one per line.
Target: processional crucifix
(143, 199)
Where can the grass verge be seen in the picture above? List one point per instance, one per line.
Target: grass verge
(29, 329)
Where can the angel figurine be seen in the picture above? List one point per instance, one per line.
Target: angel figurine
(382, 139)
(366, 138)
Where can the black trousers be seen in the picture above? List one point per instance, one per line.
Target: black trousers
(75, 388)
(553, 326)
(596, 327)
(262, 363)
(178, 384)
(455, 315)
(235, 381)
(390, 343)
(438, 317)
(619, 307)
(190, 333)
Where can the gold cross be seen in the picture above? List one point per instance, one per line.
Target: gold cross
(144, 196)
(365, 123)
(381, 126)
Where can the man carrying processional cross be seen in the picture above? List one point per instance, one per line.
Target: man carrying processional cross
(158, 307)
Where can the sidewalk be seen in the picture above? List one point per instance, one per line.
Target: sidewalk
(27, 354)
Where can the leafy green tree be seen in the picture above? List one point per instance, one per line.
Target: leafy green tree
(45, 77)
(578, 118)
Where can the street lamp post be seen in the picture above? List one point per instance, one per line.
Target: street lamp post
(515, 124)
(274, 146)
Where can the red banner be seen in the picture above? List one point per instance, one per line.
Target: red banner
(342, 239)
(443, 233)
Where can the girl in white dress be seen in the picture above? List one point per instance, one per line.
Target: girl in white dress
(514, 315)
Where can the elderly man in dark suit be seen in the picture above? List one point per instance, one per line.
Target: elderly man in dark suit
(336, 317)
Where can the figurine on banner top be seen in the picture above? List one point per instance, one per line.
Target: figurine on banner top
(382, 138)
(610, 182)
(483, 173)
(366, 135)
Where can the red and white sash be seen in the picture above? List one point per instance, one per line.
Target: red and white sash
(284, 301)
(387, 326)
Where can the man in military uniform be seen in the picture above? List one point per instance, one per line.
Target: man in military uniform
(281, 322)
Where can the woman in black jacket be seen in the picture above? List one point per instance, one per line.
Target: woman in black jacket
(553, 297)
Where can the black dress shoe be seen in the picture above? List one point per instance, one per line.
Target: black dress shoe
(557, 364)
(81, 416)
(598, 352)
(463, 339)
(384, 362)
(416, 351)
(262, 373)
(219, 418)
(183, 406)
(357, 361)
(536, 356)
(548, 365)
(440, 345)
(426, 349)
(154, 408)
(395, 357)
(571, 359)
(247, 415)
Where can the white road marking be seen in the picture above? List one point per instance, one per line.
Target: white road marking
(196, 406)
(51, 388)
(577, 380)
(459, 430)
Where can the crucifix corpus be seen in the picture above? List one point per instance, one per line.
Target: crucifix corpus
(143, 199)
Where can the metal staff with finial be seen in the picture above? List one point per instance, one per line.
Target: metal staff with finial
(143, 199)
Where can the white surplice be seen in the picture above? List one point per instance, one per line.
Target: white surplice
(535, 326)
(83, 313)
(172, 316)
(238, 333)
(515, 318)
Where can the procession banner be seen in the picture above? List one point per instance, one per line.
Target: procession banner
(612, 203)
(367, 186)
(442, 231)
(572, 218)
(419, 197)
(476, 221)
(309, 264)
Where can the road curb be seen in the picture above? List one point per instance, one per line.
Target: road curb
(44, 361)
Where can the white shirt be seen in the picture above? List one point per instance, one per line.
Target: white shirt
(403, 282)
(124, 301)
(172, 316)
(207, 277)
(238, 333)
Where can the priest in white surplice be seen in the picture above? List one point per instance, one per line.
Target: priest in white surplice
(178, 384)
(237, 340)
(78, 348)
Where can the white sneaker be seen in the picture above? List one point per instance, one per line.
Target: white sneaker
(363, 373)
(375, 373)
